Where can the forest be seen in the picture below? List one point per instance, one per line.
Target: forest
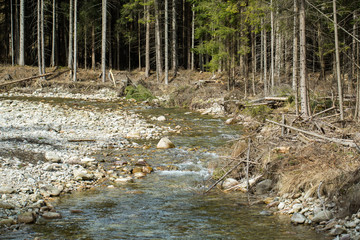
(259, 45)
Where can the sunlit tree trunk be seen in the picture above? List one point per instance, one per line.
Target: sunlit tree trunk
(52, 61)
(272, 47)
(337, 55)
(12, 33)
(193, 40)
(39, 36)
(85, 47)
(303, 82)
(103, 41)
(265, 63)
(22, 34)
(42, 38)
(147, 41)
(70, 54)
(158, 41)
(166, 42)
(295, 79)
(93, 62)
(75, 42)
(174, 39)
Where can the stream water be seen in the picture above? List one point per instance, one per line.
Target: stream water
(167, 204)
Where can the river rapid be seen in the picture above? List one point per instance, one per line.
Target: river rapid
(168, 203)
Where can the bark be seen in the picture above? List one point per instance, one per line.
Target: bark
(42, 39)
(52, 62)
(272, 47)
(103, 41)
(12, 33)
(174, 39)
(93, 62)
(158, 41)
(22, 34)
(75, 42)
(303, 81)
(253, 60)
(193, 40)
(147, 42)
(295, 79)
(85, 47)
(139, 43)
(38, 36)
(70, 54)
(265, 63)
(337, 55)
(166, 42)
(321, 52)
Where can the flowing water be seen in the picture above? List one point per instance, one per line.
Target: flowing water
(167, 204)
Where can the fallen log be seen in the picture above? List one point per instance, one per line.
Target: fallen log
(344, 142)
(25, 79)
(81, 140)
(279, 99)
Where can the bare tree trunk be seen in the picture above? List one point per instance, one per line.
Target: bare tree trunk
(193, 40)
(295, 79)
(321, 52)
(75, 42)
(338, 73)
(85, 46)
(70, 56)
(253, 60)
(158, 41)
(265, 64)
(39, 36)
(174, 39)
(103, 41)
(262, 54)
(272, 47)
(303, 82)
(22, 34)
(147, 42)
(109, 32)
(42, 39)
(139, 42)
(93, 62)
(166, 43)
(53, 35)
(12, 33)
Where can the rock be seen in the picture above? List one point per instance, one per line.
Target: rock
(27, 217)
(230, 182)
(7, 222)
(263, 186)
(50, 190)
(165, 143)
(6, 205)
(137, 169)
(298, 218)
(82, 174)
(52, 157)
(322, 216)
(147, 169)
(265, 213)
(337, 230)
(88, 160)
(6, 190)
(161, 118)
(141, 162)
(139, 175)
(281, 205)
(297, 207)
(351, 224)
(345, 237)
(124, 180)
(231, 121)
(51, 215)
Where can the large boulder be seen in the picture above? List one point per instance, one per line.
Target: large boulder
(27, 217)
(264, 186)
(6, 205)
(165, 143)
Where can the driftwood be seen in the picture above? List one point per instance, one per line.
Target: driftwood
(81, 140)
(25, 79)
(348, 143)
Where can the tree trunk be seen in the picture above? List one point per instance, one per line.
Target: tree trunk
(158, 41)
(75, 42)
(265, 63)
(253, 60)
(42, 39)
(85, 46)
(321, 52)
(70, 56)
(193, 39)
(22, 34)
(174, 39)
(53, 35)
(103, 41)
(337, 55)
(39, 36)
(139, 42)
(303, 82)
(93, 62)
(166, 42)
(295, 79)
(272, 47)
(12, 33)
(147, 42)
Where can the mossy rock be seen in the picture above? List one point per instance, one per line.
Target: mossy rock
(139, 93)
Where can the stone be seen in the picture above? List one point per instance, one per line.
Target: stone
(231, 121)
(229, 182)
(139, 175)
(322, 216)
(6, 205)
(345, 237)
(298, 218)
(88, 160)
(82, 174)
(53, 157)
(27, 217)
(6, 190)
(265, 213)
(337, 230)
(51, 215)
(7, 222)
(351, 224)
(137, 169)
(141, 162)
(263, 186)
(297, 207)
(161, 118)
(165, 143)
(281, 205)
(50, 190)
(147, 169)
(124, 180)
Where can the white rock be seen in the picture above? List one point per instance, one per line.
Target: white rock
(230, 182)
(165, 143)
(298, 218)
(161, 118)
(281, 205)
(297, 207)
(52, 157)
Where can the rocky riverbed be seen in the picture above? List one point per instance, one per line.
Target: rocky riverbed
(49, 149)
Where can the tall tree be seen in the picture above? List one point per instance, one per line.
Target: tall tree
(70, 50)
(158, 41)
(22, 34)
(303, 75)
(174, 39)
(52, 61)
(12, 32)
(103, 40)
(75, 42)
(295, 79)
(147, 40)
(166, 42)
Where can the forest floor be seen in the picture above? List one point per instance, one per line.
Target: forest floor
(311, 172)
